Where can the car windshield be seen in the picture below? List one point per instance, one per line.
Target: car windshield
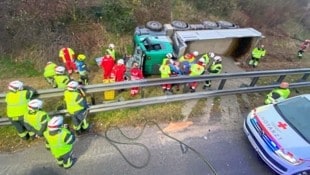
(296, 112)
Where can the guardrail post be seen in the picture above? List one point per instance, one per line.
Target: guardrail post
(281, 78)
(222, 83)
(254, 81)
(304, 77)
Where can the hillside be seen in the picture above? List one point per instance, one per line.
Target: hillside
(32, 33)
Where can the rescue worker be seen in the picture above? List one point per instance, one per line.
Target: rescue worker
(17, 100)
(302, 48)
(107, 64)
(36, 119)
(111, 51)
(82, 69)
(257, 54)
(67, 56)
(215, 68)
(175, 71)
(135, 74)
(190, 57)
(59, 141)
(118, 71)
(77, 107)
(165, 72)
(197, 69)
(207, 57)
(278, 94)
(49, 73)
(61, 78)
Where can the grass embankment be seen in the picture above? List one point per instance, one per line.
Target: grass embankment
(135, 117)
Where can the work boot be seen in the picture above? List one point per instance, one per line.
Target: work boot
(78, 132)
(193, 90)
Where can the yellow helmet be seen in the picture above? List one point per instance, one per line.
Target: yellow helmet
(81, 57)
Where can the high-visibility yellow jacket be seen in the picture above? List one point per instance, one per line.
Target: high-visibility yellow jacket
(49, 70)
(74, 101)
(62, 80)
(17, 104)
(36, 121)
(196, 70)
(60, 142)
(258, 53)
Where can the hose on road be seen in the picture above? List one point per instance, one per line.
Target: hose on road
(184, 146)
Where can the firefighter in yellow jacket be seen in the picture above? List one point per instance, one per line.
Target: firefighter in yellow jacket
(278, 94)
(17, 100)
(257, 54)
(36, 119)
(59, 141)
(77, 107)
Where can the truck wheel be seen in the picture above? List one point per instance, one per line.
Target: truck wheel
(227, 25)
(210, 25)
(154, 25)
(179, 24)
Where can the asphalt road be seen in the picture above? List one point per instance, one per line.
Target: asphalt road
(219, 139)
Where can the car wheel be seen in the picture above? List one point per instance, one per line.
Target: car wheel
(210, 25)
(227, 25)
(154, 25)
(179, 24)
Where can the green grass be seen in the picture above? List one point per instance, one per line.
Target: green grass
(11, 68)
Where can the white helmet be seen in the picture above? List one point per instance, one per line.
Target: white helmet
(111, 46)
(60, 70)
(169, 55)
(202, 60)
(195, 53)
(35, 104)
(211, 55)
(55, 123)
(120, 61)
(72, 85)
(16, 85)
(217, 58)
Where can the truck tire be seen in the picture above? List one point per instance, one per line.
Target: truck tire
(179, 24)
(210, 25)
(154, 25)
(227, 25)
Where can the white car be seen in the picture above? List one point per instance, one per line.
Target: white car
(280, 133)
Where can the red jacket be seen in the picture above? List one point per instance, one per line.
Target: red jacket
(305, 45)
(118, 72)
(107, 64)
(136, 74)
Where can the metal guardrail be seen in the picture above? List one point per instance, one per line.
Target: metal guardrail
(251, 88)
(48, 93)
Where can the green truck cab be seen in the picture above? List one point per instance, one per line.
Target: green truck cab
(150, 51)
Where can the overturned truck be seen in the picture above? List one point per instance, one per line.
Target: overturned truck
(153, 41)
